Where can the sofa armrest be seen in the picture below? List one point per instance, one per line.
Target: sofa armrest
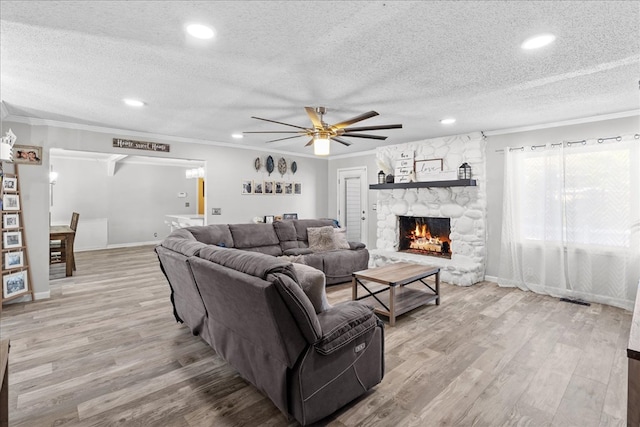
(343, 323)
(356, 245)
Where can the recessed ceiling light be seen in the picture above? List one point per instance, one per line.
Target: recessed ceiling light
(200, 31)
(133, 102)
(448, 121)
(538, 41)
(237, 136)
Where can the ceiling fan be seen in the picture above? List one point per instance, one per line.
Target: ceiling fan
(322, 133)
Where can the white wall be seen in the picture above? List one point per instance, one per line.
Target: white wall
(226, 167)
(367, 160)
(495, 165)
(133, 201)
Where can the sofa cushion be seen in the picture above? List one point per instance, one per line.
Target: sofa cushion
(321, 239)
(298, 251)
(343, 323)
(183, 246)
(215, 234)
(301, 226)
(340, 238)
(299, 306)
(255, 264)
(286, 232)
(313, 283)
(256, 237)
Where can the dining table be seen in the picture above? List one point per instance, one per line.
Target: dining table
(66, 234)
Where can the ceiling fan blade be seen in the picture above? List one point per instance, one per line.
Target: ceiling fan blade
(362, 135)
(280, 123)
(309, 143)
(340, 140)
(355, 120)
(282, 139)
(277, 131)
(381, 127)
(311, 112)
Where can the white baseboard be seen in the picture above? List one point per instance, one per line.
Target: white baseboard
(493, 279)
(121, 245)
(41, 295)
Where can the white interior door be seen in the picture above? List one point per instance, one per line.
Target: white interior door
(352, 202)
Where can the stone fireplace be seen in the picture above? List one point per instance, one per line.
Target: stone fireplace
(425, 236)
(463, 206)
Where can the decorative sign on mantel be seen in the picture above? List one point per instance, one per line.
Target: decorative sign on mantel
(140, 145)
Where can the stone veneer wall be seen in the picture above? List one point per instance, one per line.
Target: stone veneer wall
(466, 206)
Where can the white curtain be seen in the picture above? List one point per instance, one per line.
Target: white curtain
(571, 220)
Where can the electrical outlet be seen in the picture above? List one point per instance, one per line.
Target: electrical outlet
(216, 211)
(186, 204)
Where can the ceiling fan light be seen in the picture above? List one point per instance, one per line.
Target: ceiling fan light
(321, 146)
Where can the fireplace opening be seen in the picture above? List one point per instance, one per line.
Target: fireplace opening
(425, 236)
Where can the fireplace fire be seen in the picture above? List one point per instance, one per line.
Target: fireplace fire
(425, 236)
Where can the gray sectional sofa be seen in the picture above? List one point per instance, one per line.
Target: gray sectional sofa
(234, 286)
(290, 239)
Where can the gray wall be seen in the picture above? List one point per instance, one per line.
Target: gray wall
(495, 165)
(226, 167)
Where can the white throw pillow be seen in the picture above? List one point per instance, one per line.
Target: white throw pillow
(340, 238)
(312, 281)
(321, 239)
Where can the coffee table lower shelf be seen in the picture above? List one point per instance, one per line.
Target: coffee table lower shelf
(406, 299)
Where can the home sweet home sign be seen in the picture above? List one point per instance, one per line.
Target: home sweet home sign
(140, 145)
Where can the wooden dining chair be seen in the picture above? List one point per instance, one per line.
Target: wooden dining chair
(57, 248)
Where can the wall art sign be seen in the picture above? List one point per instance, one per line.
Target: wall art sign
(27, 154)
(140, 145)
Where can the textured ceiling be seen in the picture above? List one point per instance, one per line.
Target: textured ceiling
(413, 62)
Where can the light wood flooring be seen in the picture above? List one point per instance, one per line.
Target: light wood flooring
(104, 350)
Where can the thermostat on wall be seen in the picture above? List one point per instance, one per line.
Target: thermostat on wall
(182, 195)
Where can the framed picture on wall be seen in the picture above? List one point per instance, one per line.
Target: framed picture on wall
(279, 187)
(247, 187)
(297, 188)
(14, 284)
(13, 260)
(288, 188)
(10, 202)
(290, 216)
(11, 239)
(268, 187)
(11, 221)
(9, 185)
(257, 187)
(27, 154)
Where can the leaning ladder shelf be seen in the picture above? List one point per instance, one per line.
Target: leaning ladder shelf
(12, 222)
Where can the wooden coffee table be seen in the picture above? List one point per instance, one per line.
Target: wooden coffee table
(395, 297)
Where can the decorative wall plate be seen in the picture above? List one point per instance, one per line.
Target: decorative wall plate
(257, 163)
(294, 167)
(282, 166)
(270, 165)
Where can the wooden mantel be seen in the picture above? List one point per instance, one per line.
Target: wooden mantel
(453, 183)
(633, 356)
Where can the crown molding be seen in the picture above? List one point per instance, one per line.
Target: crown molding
(155, 136)
(583, 120)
